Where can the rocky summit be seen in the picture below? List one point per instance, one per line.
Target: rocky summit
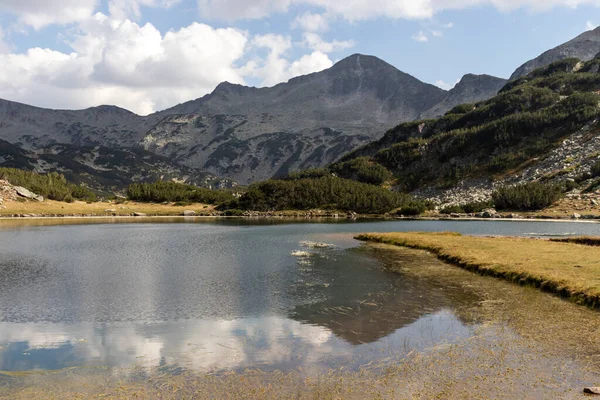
(236, 132)
(584, 47)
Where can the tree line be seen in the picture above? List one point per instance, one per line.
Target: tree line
(53, 186)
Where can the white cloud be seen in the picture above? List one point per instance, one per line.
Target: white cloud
(356, 10)
(443, 85)
(420, 37)
(310, 63)
(449, 25)
(590, 26)
(446, 86)
(276, 68)
(122, 63)
(316, 43)
(122, 9)
(437, 33)
(311, 22)
(40, 13)
(231, 10)
(3, 46)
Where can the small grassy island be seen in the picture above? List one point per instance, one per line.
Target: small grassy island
(568, 269)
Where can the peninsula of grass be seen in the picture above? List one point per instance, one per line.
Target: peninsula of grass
(569, 270)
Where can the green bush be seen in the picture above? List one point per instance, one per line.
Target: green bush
(363, 170)
(526, 197)
(412, 209)
(234, 213)
(325, 192)
(52, 185)
(476, 207)
(160, 192)
(452, 210)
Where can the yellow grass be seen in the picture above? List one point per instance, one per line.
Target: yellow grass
(51, 207)
(567, 269)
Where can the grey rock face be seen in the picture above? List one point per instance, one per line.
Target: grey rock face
(21, 191)
(584, 47)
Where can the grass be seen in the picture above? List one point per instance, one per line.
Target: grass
(566, 269)
(79, 208)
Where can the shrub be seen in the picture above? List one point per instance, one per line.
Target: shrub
(412, 209)
(234, 213)
(476, 207)
(526, 197)
(160, 192)
(363, 170)
(52, 185)
(452, 210)
(325, 192)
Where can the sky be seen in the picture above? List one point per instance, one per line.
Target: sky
(148, 55)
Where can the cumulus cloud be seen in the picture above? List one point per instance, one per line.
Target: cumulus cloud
(420, 37)
(231, 10)
(3, 45)
(40, 13)
(315, 42)
(123, 63)
(590, 26)
(356, 10)
(275, 68)
(310, 22)
(123, 9)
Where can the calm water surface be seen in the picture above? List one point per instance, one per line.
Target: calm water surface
(221, 295)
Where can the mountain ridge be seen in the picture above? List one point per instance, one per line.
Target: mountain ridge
(583, 47)
(244, 133)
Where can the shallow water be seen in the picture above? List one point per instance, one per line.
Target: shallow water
(226, 295)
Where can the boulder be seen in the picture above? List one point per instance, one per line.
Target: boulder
(189, 213)
(591, 390)
(576, 216)
(21, 191)
(110, 210)
(139, 214)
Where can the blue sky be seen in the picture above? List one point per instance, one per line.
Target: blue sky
(146, 55)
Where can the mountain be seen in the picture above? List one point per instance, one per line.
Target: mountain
(584, 47)
(244, 133)
(544, 127)
(251, 134)
(470, 89)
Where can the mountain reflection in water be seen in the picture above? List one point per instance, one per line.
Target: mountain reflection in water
(216, 296)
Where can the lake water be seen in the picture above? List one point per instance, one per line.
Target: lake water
(223, 295)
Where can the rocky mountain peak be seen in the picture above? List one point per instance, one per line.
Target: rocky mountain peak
(584, 47)
(470, 89)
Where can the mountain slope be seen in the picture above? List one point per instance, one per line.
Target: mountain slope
(552, 114)
(470, 89)
(249, 134)
(359, 92)
(584, 47)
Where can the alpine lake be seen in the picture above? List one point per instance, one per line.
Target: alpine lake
(238, 308)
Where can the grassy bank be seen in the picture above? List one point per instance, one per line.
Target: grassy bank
(80, 208)
(569, 270)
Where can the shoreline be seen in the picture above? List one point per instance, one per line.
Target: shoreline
(27, 217)
(567, 270)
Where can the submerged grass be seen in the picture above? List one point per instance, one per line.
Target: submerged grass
(566, 269)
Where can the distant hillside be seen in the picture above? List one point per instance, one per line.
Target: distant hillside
(584, 47)
(509, 136)
(470, 89)
(238, 133)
